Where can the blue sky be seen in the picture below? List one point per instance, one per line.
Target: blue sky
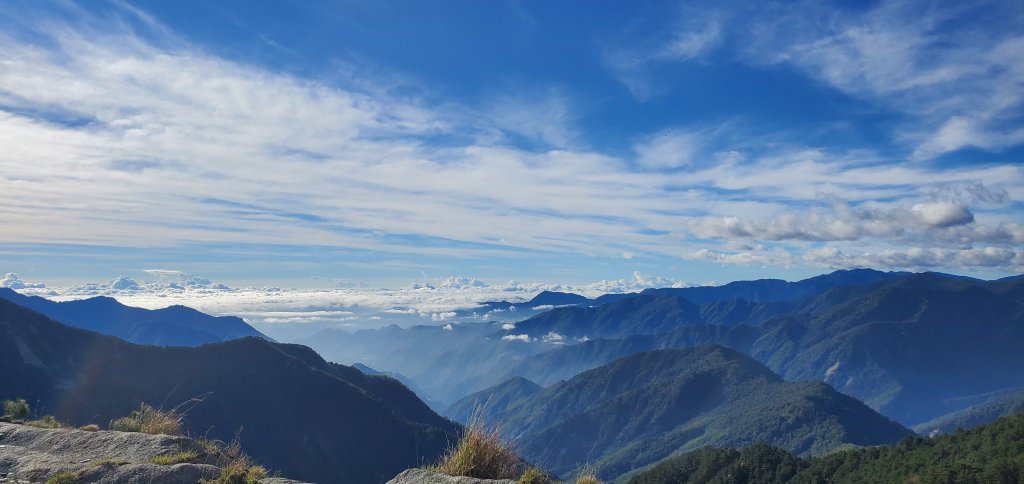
(388, 142)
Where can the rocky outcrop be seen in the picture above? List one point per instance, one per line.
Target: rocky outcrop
(423, 476)
(29, 454)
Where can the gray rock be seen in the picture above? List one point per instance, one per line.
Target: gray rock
(423, 476)
(29, 454)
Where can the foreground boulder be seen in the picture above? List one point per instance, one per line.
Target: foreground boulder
(29, 454)
(423, 476)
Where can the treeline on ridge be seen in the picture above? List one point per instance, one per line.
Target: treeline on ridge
(992, 453)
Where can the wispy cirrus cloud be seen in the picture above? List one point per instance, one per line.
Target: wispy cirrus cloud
(951, 71)
(128, 136)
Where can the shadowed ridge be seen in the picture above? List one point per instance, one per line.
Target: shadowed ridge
(298, 414)
(171, 326)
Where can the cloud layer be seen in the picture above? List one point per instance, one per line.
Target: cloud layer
(124, 136)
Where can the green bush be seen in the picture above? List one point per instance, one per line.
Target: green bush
(17, 409)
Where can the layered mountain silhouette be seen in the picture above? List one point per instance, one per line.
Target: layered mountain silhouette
(914, 347)
(640, 409)
(448, 365)
(987, 409)
(494, 401)
(293, 411)
(445, 364)
(171, 326)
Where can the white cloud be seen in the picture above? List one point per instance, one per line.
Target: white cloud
(955, 69)
(668, 150)
(517, 337)
(935, 222)
(13, 281)
(114, 139)
(943, 214)
(778, 258)
(637, 283)
(554, 338)
(508, 326)
(920, 258)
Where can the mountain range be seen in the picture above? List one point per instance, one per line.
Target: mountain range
(913, 346)
(170, 326)
(293, 411)
(619, 382)
(640, 409)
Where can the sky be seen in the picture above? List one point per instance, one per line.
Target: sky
(333, 144)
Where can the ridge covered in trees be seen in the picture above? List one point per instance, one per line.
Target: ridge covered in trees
(992, 453)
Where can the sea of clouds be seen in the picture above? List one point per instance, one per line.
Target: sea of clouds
(270, 309)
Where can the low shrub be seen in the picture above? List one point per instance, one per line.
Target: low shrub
(149, 420)
(90, 428)
(45, 422)
(17, 409)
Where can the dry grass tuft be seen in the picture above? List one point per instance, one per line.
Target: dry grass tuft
(482, 455)
(90, 428)
(587, 479)
(534, 475)
(235, 466)
(64, 477)
(183, 456)
(45, 422)
(149, 420)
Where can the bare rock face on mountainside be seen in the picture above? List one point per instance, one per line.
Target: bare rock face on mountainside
(29, 454)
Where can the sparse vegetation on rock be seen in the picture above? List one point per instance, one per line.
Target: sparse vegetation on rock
(149, 420)
(480, 453)
(45, 422)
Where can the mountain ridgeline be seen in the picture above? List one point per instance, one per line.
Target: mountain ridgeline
(171, 326)
(294, 412)
(662, 384)
(988, 454)
(914, 347)
(642, 408)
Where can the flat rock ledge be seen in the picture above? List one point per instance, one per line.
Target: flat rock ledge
(423, 476)
(31, 455)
